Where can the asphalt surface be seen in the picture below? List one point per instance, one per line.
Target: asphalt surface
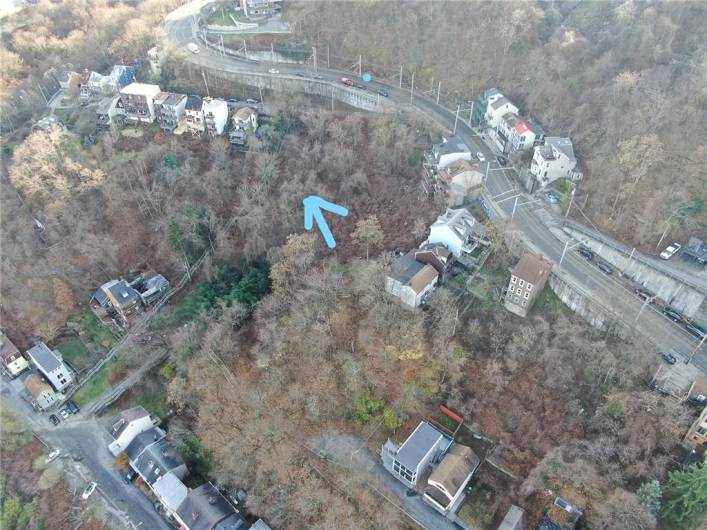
(180, 28)
(88, 440)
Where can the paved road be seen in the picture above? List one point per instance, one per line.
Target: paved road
(88, 439)
(180, 28)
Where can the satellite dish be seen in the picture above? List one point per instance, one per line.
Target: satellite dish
(367, 77)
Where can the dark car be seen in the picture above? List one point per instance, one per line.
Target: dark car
(645, 295)
(586, 253)
(362, 87)
(129, 476)
(605, 267)
(301, 74)
(72, 407)
(695, 329)
(252, 101)
(669, 358)
(54, 419)
(552, 197)
(672, 314)
(699, 399)
(502, 160)
(232, 102)
(383, 93)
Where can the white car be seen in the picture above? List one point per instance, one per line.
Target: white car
(481, 157)
(192, 47)
(89, 490)
(670, 251)
(273, 71)
(51, 456)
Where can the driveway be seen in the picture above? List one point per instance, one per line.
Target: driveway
(349, 451)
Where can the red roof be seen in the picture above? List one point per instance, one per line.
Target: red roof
(522, 127)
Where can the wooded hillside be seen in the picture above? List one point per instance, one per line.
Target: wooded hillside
(627, 81)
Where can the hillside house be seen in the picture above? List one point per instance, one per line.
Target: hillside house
(205, 508)
(169, 109)
(463, 180)
(93, 84)
(51, 365)
(411, 280)
(194, 115)
(171, 492)
(13, 363)
(481, 103)
(106, 112)
(245, 118)
(259, 9)
(696, 249)
(151, 456)
(215, 116)
(697, 434)
(457, 230)
(450, 150)
(424, 447)
(554, 160)
(498, 106)
(562, 515)
(150, 286)
(41, 395)
(127, 426)
(138, 102)
(446, 484)
(512, 134)
(527, 281)
(116, 301)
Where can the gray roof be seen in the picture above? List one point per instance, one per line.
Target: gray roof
(503, 100)
(418, 444)
(194, 103)
(564, 145)
(142, 440)
(157, 460)
(123, 293)
(513, 519)
(105, 104)
(44, 357)
(460, 221)
(119, 424)
(101, 295)
(404, 268)
(696, 248)
(453, 144)
(171, 490)
(205, 508)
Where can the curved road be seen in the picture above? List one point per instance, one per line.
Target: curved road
(180, 28)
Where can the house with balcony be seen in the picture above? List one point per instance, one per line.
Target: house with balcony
(447, 152)
(116, 301)
(50, 364)
(245, 119)
(106, 112)
(194, 115)
(138, 102)
(481, 103)
(498, 106)
(215, 116)
(457, 230)
(93, 84)
(13, 363)
(169, 110)
(527, 281)
(463, 181)
(553, 160)
(512, 134)
(445, 490)
(697, 434)
(260, 9)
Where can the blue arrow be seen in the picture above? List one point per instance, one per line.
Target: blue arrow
(313, 207)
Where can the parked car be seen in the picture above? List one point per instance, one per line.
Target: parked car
(232, 102)
(54, 419)
(586, 253)
(552, 197)
(669, 357)
(672, 314)
(502, 160)
(72, 407)
(51, 456)
(130, 476)
(699, 399)
(361, 86)
(273, 71)
(64, 414)
(670, 251)
(316, 76)
(192, 47)
(383, 93)
(252, 101)
(301, 74)
(89, 490)
(695, 329)
(604, 267)
(481, 157)
(645, 294)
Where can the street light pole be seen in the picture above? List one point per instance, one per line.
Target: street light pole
(648, 301)
(564, 251)
(439, 89)
(412, 86)
(513, 213)
(570, 204)
(692, 354)
(456, 118)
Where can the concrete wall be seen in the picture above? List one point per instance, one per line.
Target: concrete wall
(675, 292)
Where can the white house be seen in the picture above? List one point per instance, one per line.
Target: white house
(498, 107)
(127, 426)
(215, 116)
(423, 447)
(245, 118)
(512, 134)
(51, 365)
(446, 484)
(457, 230)
(554, 160)
(449, 151)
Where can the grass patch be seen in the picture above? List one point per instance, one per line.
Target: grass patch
(73, 350)
(96, 330)
(478, 508)
(94, 388)
(548, 303)
(153, 403)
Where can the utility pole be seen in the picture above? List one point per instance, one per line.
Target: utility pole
(360, 64)
(412, 86)
(332, 99)
(439, 91)
(260, 90)
(314, 57)
(328, 64)
(245, 49)
(471, 111)
(649, 300)
(692, 354)
(401, 76)
(515, 205)
(205, 83)
(272, 50)
(456, 118)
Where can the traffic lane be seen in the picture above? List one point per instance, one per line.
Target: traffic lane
(84, 439)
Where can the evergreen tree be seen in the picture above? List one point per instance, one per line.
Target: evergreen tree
(687, 496)
(650, 494)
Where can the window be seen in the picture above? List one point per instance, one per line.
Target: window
(513, 279)
(701, 430)
(529, 286)
(510, 289)
(521, 283)
(524, 303)
(516, 299)
(526, 295)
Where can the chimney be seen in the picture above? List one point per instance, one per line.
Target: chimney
(212, 499)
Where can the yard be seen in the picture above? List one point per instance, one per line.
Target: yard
(222, 17)
(478, 509)
(94, 388)
(76, 354)
(94, 330)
